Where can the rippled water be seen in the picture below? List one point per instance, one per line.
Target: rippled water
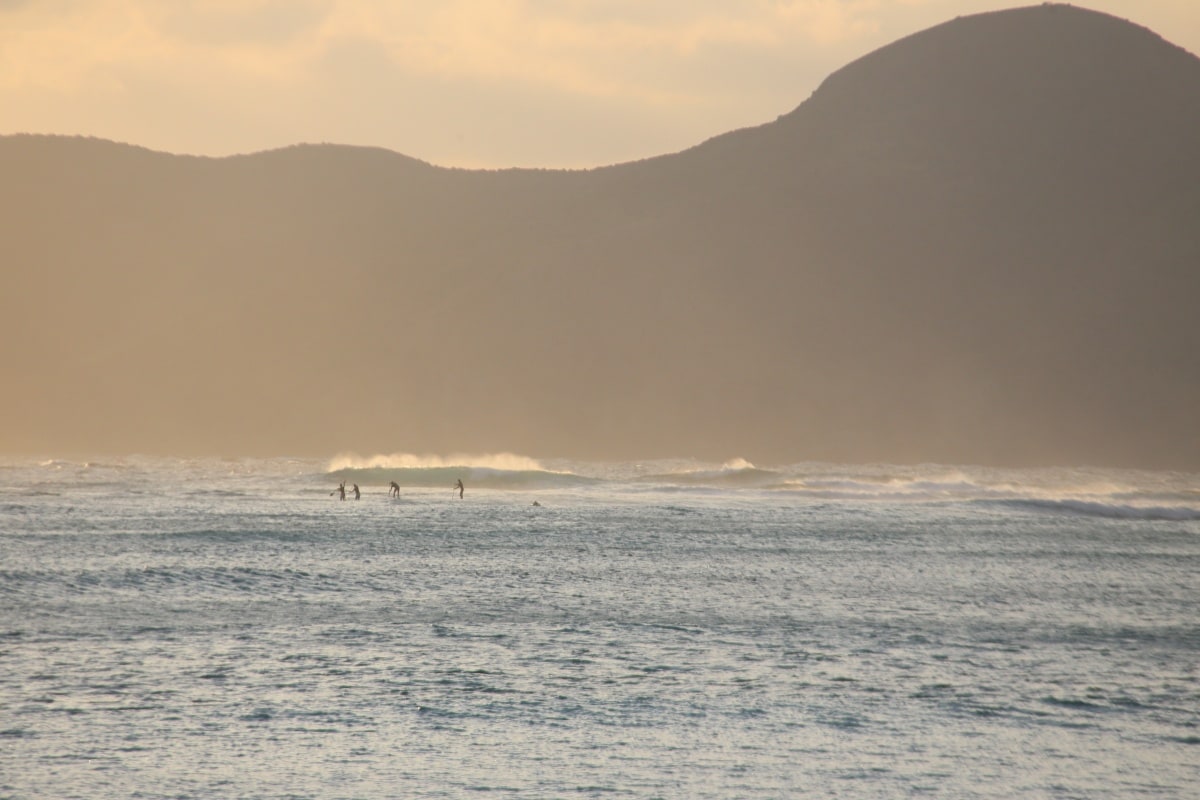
(185, 629)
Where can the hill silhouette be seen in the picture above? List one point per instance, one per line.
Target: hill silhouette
(977, 244)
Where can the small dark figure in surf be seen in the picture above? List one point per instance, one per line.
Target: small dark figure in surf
(459, 486)
(357, 493)
(340, 491)
(536, 503)
(394, 491)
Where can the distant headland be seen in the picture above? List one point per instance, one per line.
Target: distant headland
(978, 244)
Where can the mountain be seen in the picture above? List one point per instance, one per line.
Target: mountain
(978, 244)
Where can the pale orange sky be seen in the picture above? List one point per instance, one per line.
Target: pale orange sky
(470, 83)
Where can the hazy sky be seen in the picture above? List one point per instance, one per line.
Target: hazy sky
(471, 83)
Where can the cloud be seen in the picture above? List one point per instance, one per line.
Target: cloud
(81, 46)
(220, 76)
(641, 51)
(587, 46)
(264, 23)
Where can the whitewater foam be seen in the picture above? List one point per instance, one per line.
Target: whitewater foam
(498, 461)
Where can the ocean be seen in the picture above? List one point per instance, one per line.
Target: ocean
(174, 628)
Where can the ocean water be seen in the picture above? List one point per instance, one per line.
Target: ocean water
(231, 629)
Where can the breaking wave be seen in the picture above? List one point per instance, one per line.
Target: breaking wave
(1111, 511)
(490, 471)
(1094, 495)
(495, 461)
(736, 473)
(1113, 494)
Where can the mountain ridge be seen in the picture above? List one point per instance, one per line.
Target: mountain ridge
(941, 255)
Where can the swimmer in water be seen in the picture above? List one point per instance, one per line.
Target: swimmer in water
(357, 493)
(394, 491)
(340, 491)
(459, 486)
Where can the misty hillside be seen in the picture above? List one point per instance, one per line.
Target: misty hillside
(978, 244)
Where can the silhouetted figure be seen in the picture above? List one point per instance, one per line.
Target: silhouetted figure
(340, 491)
(536, 503)
(459, 486)
(357, 493)
(394, 491)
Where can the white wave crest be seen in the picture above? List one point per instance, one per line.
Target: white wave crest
(498, 461)
(1095, 509)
